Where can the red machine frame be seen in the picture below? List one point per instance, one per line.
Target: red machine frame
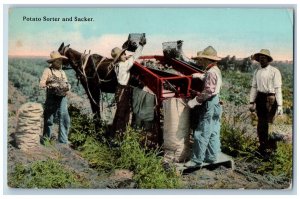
(184, 85)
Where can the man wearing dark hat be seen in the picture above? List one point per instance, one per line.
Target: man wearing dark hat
(265, 97)
(55, 81)
(123, 93)
(206, 146)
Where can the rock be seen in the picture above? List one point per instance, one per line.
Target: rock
(121, 178)
(122, 175)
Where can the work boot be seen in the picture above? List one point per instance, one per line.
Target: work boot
(263, 154)
(210, 161)
(276, 137)
(191, 164)
(53, 138)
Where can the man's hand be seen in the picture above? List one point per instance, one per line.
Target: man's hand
(198, 75)
(143, 41)
(252, 108)
(279, 110)
(192, 103)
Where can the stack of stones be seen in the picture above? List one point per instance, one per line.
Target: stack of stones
(29, 126)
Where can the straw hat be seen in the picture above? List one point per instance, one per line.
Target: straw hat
(116, 53)
(209, 53)
(265, 52)
(55, 55)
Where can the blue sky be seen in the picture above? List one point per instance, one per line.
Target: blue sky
(231, 31)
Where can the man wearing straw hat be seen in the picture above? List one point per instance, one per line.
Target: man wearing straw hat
(55, 81)
(265, 97)
(123, 93)
(207, 132)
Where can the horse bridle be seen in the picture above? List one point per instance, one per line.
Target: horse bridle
(64, 50)
(81, 73)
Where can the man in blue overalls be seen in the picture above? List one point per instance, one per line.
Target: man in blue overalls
(55, 81)
(207, 132)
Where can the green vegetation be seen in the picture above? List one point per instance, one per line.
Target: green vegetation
(45, 174)
(236, 143)
(243, 147)
(236, 86)
(280, 163)
(130, 152)
(25, 73)
(236, 139)
(82, 126)
(146, 165)
(24, 81)
(100, 156)
(287, 90)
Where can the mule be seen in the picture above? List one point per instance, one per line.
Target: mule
(95, 73)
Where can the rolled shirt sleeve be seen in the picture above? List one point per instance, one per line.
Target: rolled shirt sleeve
(122, 68)
(277, 79)
(210, 85)
(253, 93)
(44, 78)
(278, 96)
(129, 62)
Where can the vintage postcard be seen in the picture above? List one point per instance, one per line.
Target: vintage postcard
(155, 97)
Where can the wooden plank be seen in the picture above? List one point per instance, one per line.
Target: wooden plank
(222, 160)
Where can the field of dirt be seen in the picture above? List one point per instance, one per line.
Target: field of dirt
(206, 178)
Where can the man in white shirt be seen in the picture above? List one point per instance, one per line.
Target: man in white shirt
(265, 97)
(123, 93)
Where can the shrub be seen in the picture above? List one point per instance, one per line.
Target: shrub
(283, 160)
(44, 174)
(82, 127)
(235, 141)
(280, 163)
(99, 155)
(130, 154)
(235, 85)
(146, 165)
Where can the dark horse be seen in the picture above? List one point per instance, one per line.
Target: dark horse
(95, 72)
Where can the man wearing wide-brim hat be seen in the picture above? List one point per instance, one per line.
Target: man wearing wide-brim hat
(123, 92)
(206, 146)
(55, 81)
(265, 97)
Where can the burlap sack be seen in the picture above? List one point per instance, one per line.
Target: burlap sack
(176, 130)
(29, 125)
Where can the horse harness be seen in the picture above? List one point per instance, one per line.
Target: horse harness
(84, 60)
(82, 74)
